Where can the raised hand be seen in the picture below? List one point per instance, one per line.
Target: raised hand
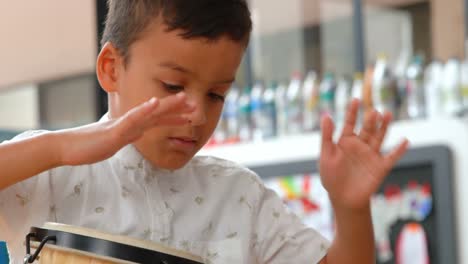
(101, 140)
(353, 168)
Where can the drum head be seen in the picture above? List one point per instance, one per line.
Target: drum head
(120, 248)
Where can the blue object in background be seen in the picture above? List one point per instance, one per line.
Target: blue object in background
(4, 258)
(7, 134)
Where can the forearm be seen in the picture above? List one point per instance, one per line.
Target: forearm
(23, 159)
(354, 240)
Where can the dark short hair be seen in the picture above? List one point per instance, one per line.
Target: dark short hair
(210, 19)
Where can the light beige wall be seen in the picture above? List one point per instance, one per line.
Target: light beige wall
(447, 28)
(389, 32)
(19, 108)
(45, 39)
(271, 16)
(279, 15)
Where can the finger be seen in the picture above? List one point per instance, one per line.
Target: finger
(369, 126)
(377, 141)
(167, 111)
(155, 107)
(351, 116)
(170, 120)
(327, 133)
(396, 154)
(128, 127)
(173, 104)
(137, 116)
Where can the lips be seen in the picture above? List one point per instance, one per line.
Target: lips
(185, 144)
(185, 139)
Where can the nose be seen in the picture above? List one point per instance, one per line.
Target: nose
(198, 116)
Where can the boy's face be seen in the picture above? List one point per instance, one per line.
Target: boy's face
(162, 64)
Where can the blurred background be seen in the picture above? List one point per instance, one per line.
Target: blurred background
(306, 58)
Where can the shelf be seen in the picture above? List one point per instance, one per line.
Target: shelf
(307, 146)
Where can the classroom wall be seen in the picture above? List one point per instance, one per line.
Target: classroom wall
(19, 108)
(45, 40)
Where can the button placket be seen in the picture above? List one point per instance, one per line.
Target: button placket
(161, 212)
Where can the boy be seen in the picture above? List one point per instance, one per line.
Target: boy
(167, 66)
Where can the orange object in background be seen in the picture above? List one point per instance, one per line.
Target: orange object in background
(367, 89)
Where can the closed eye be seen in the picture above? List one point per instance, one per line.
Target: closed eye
(217, 97)
(172, 88)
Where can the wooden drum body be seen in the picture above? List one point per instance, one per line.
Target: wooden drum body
(57, 243)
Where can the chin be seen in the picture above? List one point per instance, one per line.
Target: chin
(174, 166)
(173, 163)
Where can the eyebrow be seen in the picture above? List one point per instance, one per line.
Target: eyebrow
(176, 67)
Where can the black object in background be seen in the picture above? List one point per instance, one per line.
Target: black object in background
(433, 165)
(101, 95)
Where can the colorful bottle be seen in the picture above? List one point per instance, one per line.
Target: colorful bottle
(294, 102)
(383, 87)
(311, 96)
(245, 121)
(357, 92)
(219, 135)
(281, 110)
(433, 89)
(231, 115)
(452, 103)
(269, 123)
(464, 85)
(367, 89)
(342, 99)
(256, 111)
(415, 89)
(327, 95)
(400, 73)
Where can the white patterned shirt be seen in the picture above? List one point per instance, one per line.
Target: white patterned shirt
(211, 207)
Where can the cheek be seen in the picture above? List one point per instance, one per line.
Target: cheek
(134, 92)
(213, 115)
(154, 137)
(137, 78)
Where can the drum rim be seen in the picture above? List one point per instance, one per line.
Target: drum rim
(53, 247)
(106, 248)
(149, 245)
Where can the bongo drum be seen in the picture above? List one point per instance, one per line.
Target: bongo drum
(58, 243)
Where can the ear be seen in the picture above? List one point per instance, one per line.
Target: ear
(108, 66)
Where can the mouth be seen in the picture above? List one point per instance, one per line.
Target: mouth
(185, 144)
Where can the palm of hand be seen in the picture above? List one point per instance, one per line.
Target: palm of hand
(353, 168)
(101, 140)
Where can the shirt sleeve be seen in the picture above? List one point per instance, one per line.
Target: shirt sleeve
(281, 235)
(22, 205)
